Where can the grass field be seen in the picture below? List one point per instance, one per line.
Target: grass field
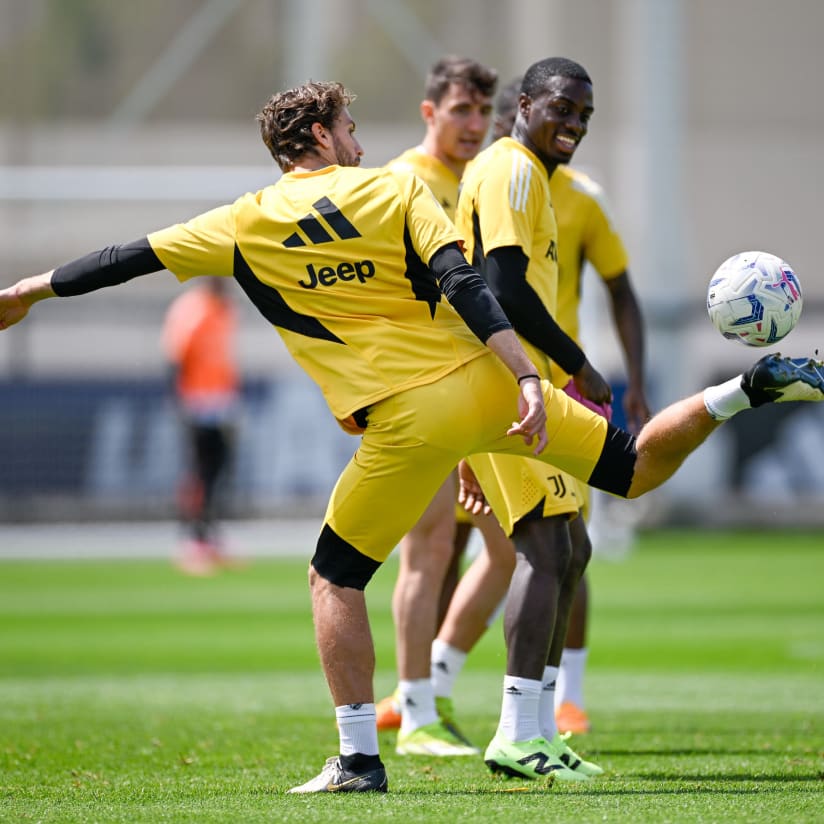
(131, 694)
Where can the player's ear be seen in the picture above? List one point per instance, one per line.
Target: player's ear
(427, 111)
(321, 135)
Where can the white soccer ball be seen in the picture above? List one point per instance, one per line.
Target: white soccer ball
(754, 298)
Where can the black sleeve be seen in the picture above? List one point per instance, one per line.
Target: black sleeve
(106, 267)
(505, 271)
(466, 291)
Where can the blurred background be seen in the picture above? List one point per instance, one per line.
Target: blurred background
(117, 119)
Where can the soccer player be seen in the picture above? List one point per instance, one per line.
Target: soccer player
(198, 339)
(457, 111)
(352, 267)
(585, 233)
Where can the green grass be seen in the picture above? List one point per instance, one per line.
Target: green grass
(131, 694)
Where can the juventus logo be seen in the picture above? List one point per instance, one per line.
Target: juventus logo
(317, 232)
(560, 487)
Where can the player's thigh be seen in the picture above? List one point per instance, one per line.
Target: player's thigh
(439, 516)
(389, 482)
(576, 434)
(517, 487)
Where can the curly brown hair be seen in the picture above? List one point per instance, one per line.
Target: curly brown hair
(286, 119)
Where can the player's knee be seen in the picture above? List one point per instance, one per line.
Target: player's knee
(581, 548)
(544, 544)
(338, 562)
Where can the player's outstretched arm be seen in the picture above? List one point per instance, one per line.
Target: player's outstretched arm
(16, 300)
(96, 270)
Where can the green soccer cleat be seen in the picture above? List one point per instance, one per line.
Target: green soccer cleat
(774, 379)
(446, 712)
(335, 778)
(433, 739)
(528, 759)
(569, 757)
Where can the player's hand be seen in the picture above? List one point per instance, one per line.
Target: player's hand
(12, 307)
(15, 301)
(532, 426)
(591, 384)
(470, 495)
(636, 409)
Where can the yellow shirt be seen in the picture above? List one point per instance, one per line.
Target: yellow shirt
(443, 182)
(505, 201)
(336, 260)
(585, 233)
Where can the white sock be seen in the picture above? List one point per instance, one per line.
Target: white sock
(519, 709)
(447, 663)
(726, 399)
(417, 704)
(357, 728)
(546, 704)
(570, 686)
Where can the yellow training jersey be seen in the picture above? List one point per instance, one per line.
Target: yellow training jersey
(585, 233)
(505, 201)
(336, 260)
(439, 178)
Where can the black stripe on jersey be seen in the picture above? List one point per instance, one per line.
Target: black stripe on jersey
(420, 276)
(314, 231)
(273, 307)
(334, 217)
(478, 259)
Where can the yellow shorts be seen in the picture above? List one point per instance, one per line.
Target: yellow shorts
(414, 439)
(515, 486)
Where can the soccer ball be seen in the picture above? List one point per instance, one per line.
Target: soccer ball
(754, 298)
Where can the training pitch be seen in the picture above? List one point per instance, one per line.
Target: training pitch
(129, 693)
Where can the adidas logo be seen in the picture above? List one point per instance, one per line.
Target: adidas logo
(316, 232)
(441, 665)
(513, 691)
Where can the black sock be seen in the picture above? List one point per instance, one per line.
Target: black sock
(357, 762)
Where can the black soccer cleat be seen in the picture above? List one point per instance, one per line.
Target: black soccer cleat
(774, 379)
(335, 778)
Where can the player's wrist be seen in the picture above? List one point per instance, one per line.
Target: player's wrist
(30, 290)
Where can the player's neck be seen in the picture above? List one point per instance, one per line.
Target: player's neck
(430, 147)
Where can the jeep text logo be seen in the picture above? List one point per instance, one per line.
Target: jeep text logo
(360, 270)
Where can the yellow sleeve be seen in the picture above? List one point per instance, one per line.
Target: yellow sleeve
(429, 226)
(204, 245)
(506, 204)
(603, 246)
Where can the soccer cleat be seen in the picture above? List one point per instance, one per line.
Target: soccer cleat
(776, 379)
(433, 739)
(568, 756)
(388, 712)
(446, 712)
(195, 559)
(528, 759)
(571, 718)
(335, 778)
